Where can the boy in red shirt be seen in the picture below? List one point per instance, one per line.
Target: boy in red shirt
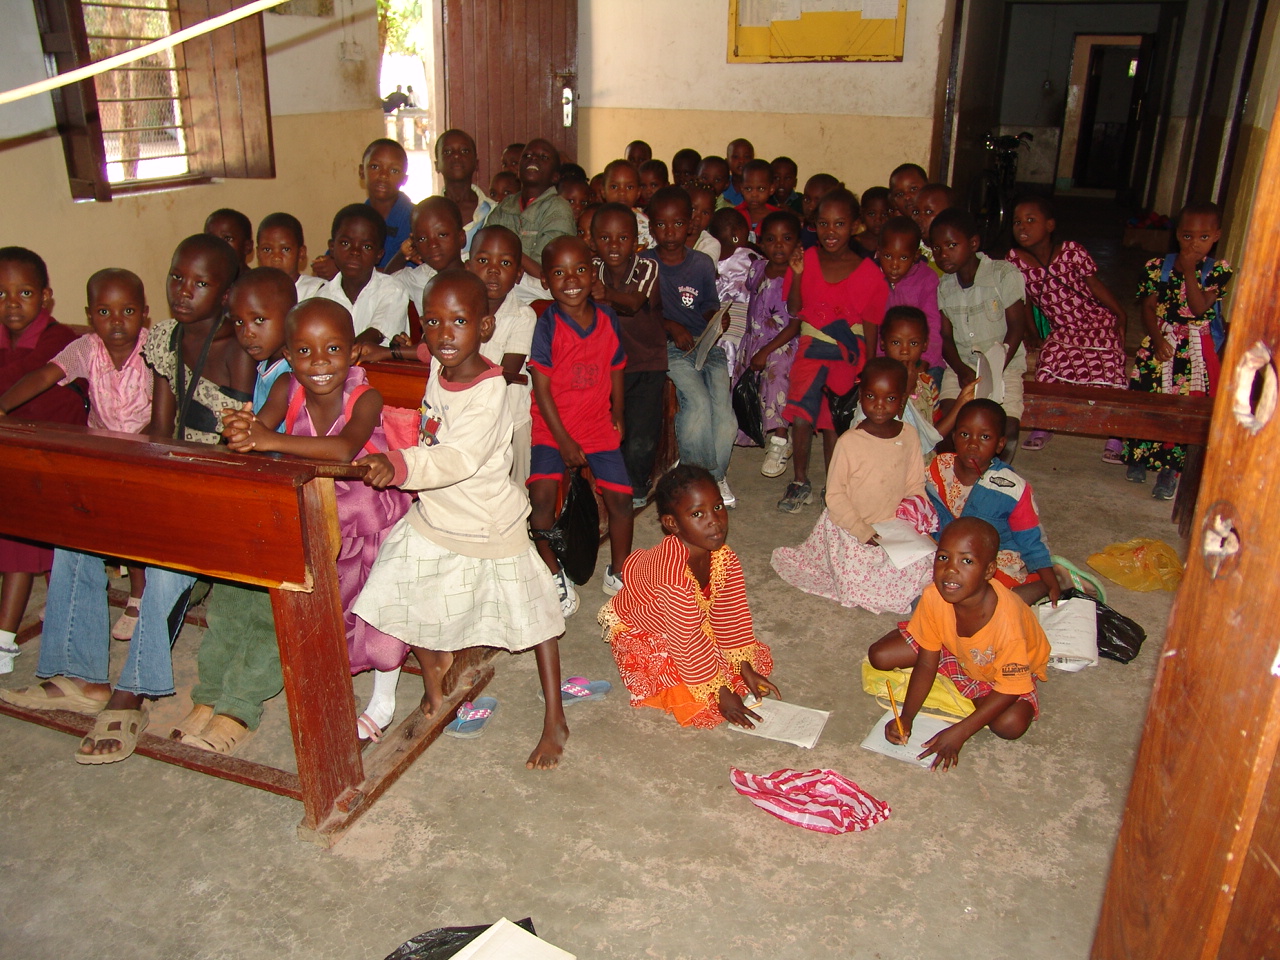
(975, 631)
(578, 364)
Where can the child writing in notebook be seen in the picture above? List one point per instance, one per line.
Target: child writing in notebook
(1085, 345)
(876, 474)
(29, 339)
(110, 361)
(977, 633)
(487, 586)
(769, 345)
(330, 412)
(1182, 316)
(839, 300)
(680, 629)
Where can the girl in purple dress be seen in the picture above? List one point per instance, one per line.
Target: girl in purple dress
(330, 412)
(769, 344)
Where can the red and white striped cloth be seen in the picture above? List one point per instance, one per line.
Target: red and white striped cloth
(819, 800)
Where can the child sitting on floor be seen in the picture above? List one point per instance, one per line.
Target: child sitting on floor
(1085, 345)
(681, 629)
(486, 584)
(876, 474)
(110, 360)
(769, 344)
(29, 339)
(1182, 317)
(330, 412)
(974, 482)
(280, 245)
(578, 388)
(977, 633)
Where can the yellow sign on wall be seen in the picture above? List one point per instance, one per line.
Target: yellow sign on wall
(797, 31)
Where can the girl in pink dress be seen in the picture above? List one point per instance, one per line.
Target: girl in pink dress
(330, 412)
(1086, 343)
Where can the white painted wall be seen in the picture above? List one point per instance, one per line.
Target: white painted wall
(671, 54)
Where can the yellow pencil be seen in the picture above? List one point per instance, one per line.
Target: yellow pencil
(897, 719)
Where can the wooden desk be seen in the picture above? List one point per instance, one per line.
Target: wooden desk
(1107, 412)
(259, 520)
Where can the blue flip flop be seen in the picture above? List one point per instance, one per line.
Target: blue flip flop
(471, 718)
(577, 689)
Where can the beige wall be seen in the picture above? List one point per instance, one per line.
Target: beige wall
(323, 83)
(660, 74)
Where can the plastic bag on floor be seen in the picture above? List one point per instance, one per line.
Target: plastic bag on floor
(575, 536)
(747, 406)
(1118, 637)
(444, 942)
(1140, 564)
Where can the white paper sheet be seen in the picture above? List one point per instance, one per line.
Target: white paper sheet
(902, 543)
(506, 941)
(786, 723)
(709, 338)
(922, 728)
(989, 367)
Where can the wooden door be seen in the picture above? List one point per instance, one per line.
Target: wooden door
(507, 64)
(1196, 868)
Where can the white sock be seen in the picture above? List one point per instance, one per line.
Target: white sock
(382, 703)
(8, 650)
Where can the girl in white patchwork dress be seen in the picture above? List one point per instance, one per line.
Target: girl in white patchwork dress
(459, 570)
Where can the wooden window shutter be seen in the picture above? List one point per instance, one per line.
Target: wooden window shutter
(229, 116)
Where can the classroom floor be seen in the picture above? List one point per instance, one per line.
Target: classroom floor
(638, 845)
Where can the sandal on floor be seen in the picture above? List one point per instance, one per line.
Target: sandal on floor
(193, 722)
(222, 735)
(1086, 583)
(1036, 440)
(123, 629)
(122, 726)
(577, 689)
(1113, 453)
(471, 718)
(367, 729)
(37, 697)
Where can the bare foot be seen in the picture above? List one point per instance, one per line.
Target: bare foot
(546, 755)
(435, 664)
(120, 700)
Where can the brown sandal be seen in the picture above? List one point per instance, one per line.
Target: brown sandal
(194, 722)
(123, 726)
(222, 734)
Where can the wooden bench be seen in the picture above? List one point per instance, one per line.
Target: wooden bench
(1107, 412)
(259, 520)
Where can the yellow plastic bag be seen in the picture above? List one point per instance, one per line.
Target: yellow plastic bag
(944, 699)
(1140, 564)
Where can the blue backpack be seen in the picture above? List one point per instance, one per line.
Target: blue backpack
(1217, 326)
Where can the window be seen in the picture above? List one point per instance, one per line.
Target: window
(194, 112)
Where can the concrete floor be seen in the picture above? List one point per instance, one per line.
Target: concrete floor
(638, 846)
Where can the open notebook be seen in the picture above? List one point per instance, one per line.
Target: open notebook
(786, 723)
(922, 728)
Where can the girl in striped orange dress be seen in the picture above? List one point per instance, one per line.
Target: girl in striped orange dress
(680, 628)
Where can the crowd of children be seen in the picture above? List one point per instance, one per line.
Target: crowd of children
(881, 310)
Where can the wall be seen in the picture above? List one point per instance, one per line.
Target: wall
(660, 75)
(324, 110)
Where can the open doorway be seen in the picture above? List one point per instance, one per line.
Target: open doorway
(407, 85)
(1107, 73)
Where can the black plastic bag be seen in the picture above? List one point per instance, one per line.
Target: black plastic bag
(575, 536)
(747, 406)
(1119, 638)
(444, 942)
(843, 407)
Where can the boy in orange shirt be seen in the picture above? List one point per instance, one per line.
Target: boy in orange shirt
(976, 632)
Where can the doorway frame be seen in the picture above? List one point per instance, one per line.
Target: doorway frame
(1081, 56)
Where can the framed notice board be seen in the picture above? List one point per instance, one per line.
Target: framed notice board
(798, 31)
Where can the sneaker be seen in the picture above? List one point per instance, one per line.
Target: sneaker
(568, 595)
(1136, 473)
(777, 454)
(797, 495)
(612, 582)
(1166, 485)
(726, 494)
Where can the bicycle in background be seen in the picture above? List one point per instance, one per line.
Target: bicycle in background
(991, 193)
